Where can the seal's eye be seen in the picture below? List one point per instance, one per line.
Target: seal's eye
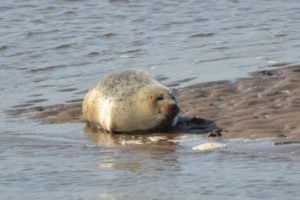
(159, 98)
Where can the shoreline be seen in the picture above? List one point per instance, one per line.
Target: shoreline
(264, 105)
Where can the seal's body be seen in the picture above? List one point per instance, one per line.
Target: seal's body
(130, 101)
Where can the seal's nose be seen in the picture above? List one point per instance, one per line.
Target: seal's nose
(174, 109)
(169, 110)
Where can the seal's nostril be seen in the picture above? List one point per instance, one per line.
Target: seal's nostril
(174, 108)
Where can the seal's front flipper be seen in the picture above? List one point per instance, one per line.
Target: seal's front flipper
(197, 125)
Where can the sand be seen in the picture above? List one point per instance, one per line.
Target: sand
(267, 104)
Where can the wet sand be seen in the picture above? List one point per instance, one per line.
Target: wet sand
(267, 104)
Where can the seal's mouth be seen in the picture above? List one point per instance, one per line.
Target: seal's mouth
(169, 110)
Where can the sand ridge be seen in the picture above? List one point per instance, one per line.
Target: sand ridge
(267, 104)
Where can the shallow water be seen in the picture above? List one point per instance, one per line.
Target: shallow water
(51, 52)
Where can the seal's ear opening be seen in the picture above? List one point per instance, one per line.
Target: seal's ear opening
(172, 95)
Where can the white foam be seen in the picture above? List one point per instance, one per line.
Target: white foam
(209, 146)
(157, 138)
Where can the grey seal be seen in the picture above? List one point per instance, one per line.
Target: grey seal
(130, 101)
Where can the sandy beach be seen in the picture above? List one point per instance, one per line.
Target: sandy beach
(267, 104)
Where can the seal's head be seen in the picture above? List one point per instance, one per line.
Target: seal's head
(159, 107)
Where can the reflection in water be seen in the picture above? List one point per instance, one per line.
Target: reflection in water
(105, 139)
(144, 154)
(185, 125)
